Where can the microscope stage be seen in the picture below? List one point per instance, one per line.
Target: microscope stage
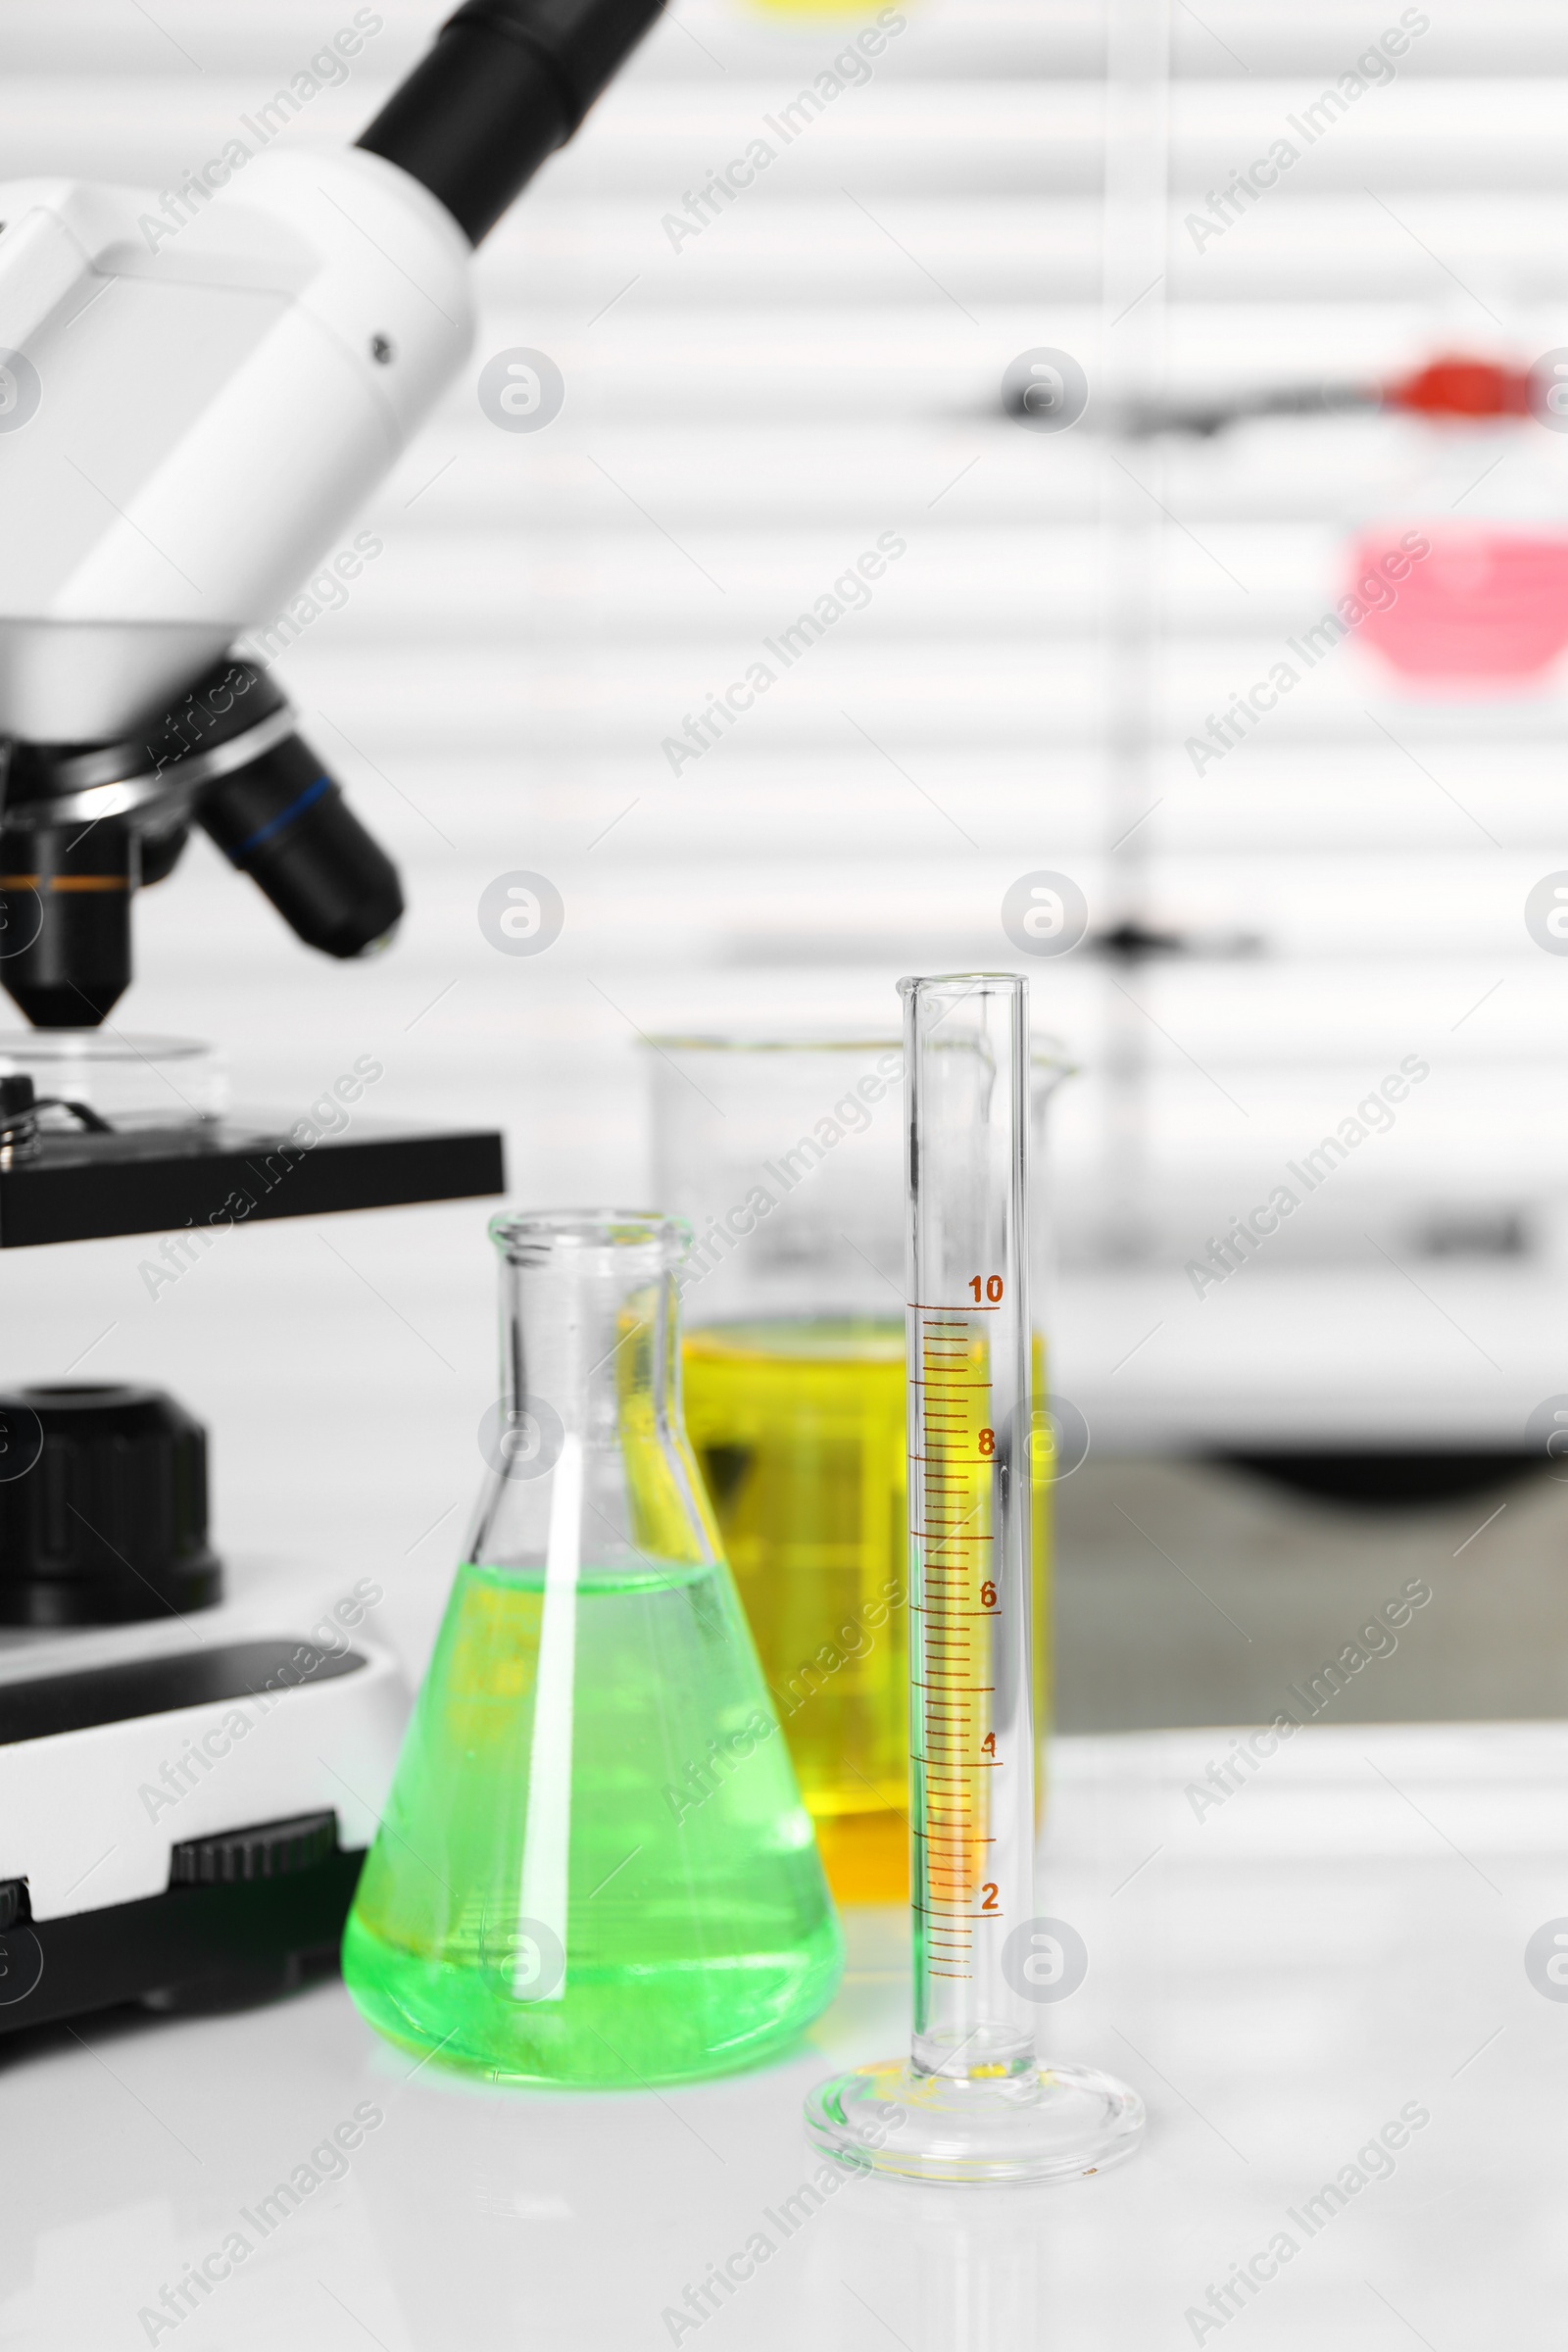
(231, 1171)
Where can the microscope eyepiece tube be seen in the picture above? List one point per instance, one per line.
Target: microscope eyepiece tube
(506, 82)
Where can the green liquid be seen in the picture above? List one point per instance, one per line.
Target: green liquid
(698, 1931)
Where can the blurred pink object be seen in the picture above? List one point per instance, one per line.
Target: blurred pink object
(1486, 604)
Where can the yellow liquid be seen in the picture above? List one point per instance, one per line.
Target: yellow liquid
(811, 8)
(800, 1430)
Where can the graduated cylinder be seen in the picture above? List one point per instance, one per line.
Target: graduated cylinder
(973, 2103)
(968, 1352)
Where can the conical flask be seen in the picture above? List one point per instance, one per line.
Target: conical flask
(595, 1867)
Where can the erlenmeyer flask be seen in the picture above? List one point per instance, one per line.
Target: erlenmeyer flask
(595, 1866)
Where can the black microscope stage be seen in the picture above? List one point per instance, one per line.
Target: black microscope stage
(83, 1188)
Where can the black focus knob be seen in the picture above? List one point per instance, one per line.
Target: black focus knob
(271, 1849)
(103, 1507)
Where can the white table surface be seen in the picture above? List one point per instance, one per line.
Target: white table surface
(1341, 1939)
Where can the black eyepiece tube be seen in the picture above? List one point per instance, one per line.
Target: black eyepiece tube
(507, 83)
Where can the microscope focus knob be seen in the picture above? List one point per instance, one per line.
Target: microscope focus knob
(271, 1849)
(103, 1506)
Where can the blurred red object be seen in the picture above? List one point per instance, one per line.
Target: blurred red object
(1456, 387)
(1486, 604)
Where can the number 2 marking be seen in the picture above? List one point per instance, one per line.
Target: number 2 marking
(990, 1893)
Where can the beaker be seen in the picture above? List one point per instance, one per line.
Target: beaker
(595, 1867)
(972, 2102)
(785, 1153)
(1459, 567)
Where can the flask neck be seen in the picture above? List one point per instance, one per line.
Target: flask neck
(585, 1447)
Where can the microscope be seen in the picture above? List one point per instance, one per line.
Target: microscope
(197, 395)
(189, 416)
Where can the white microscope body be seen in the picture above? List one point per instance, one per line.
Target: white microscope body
(189, 418)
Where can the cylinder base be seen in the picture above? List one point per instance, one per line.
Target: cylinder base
(1053, 2124)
